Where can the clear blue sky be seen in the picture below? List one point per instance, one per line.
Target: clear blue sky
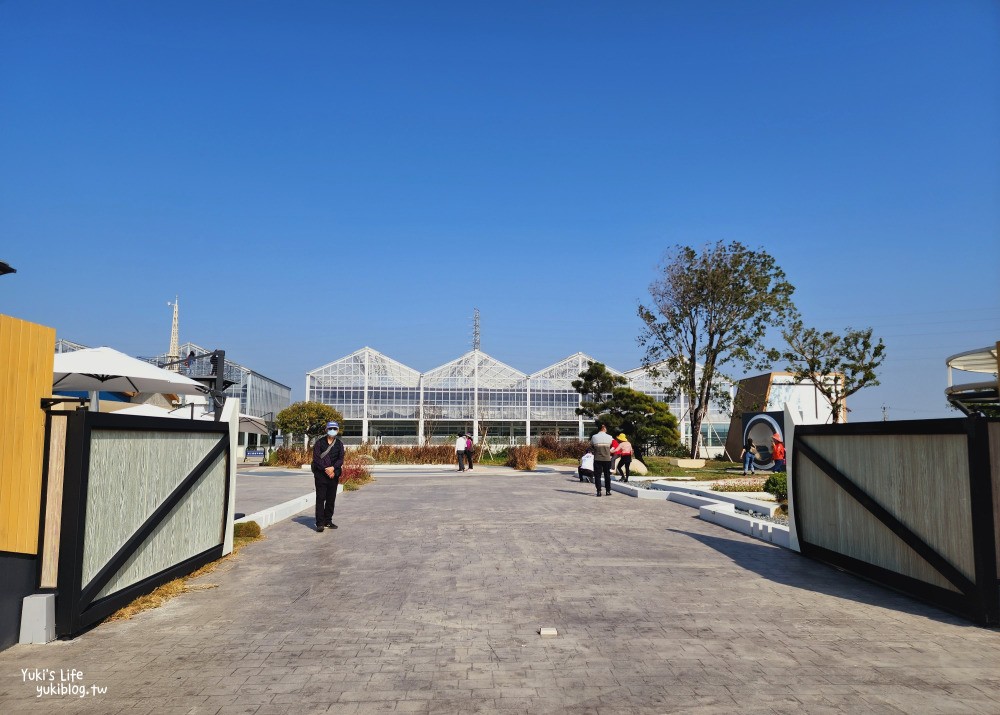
(313, 177)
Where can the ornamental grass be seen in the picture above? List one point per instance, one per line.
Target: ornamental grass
(748, 484)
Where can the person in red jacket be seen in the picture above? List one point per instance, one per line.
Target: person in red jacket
(624, 453)
(778, 452)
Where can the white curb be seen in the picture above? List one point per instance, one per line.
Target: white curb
(717, 509)
(272, 515)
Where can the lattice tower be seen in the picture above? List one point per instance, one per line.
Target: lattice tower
(174, 354)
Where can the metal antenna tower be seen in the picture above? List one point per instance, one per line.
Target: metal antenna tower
(475, 329)
(175, 347)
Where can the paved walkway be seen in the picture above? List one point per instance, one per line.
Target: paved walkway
(259, 488)
(429, 597)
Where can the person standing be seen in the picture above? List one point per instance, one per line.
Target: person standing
(460, 451)
(624, 452)
(778, 450)
(601, 442)
(327, 465)
(469, 449)
(748, 454)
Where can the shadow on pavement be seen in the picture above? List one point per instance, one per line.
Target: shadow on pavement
(579, 494)
(792, 569)
(307, 521)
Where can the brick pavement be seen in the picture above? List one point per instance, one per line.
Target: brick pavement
(429, 597)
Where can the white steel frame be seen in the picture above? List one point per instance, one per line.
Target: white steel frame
(465, 394)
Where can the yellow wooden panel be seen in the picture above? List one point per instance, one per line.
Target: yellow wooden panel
(52, 519)
(26, 355)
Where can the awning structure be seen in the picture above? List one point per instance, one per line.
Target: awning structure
(971, 397)
(981, 360)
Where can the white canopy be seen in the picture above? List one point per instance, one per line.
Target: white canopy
(97, 369)
(981, 360)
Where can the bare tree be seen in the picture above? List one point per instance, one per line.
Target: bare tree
(711, 309)
(839, 365)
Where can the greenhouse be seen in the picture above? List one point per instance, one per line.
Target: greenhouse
(386, 402)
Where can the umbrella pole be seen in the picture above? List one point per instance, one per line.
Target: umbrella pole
(95, 401)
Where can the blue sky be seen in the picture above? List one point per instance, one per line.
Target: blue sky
(313, 177)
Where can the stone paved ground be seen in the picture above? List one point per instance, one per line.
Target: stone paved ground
(258, 488)
(429, 596)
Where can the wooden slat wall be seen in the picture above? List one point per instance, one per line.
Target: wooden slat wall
(26, 355)
(906, 474)
(53, 503)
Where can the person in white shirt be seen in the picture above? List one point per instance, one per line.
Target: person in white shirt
(586, 469)
(460, 451)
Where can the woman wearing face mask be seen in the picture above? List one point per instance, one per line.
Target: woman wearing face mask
(327, 463)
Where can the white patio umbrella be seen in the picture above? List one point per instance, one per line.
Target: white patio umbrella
(248, 423)
(96, 369)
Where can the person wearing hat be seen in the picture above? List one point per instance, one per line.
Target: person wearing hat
(327, 464)
(624, 453)
(778, 452)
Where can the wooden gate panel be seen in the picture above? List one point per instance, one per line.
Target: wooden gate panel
(145, 500)
(909, 504)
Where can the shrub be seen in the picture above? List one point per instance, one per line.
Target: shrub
(421, 454)
(290, 457)
(246, 529)
(523, 458)
(777, 484)
(546, 455)
(550, 448)
(355, 472)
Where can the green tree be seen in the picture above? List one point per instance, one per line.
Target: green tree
(595, 386)
(839, 365)
(648, 424)
(307, 418)
(711, 309)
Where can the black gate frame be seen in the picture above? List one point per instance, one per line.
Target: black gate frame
(76, 607)
(978, 600)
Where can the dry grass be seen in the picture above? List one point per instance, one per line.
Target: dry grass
(523, 458)
(743, 484)
(175, 588)
(422, 454)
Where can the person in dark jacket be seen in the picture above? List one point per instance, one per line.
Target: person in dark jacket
(470, 449)
(601, 442)
(327, 464)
